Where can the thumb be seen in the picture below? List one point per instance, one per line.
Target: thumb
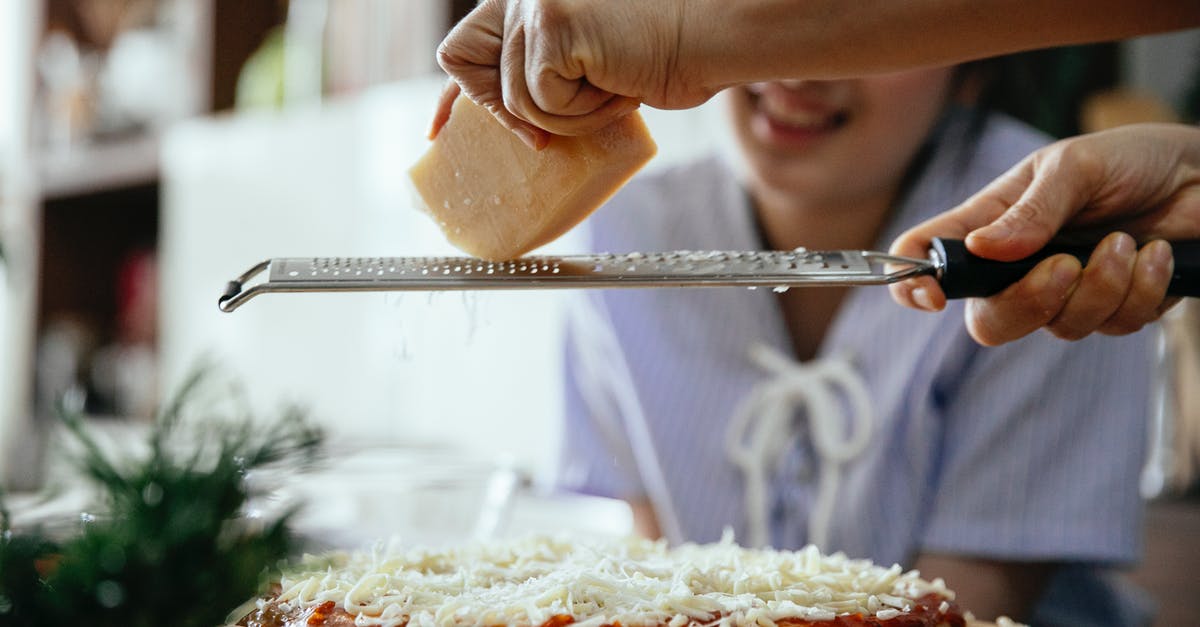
(1054, 194)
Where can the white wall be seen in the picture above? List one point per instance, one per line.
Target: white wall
(1163, 65)
(480, 370)
(18, 23)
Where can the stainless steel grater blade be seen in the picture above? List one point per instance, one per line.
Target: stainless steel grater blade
(782, 269)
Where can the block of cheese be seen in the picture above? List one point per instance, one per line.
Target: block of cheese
(496, 198)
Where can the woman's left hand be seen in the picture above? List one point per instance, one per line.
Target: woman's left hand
(1140, 181)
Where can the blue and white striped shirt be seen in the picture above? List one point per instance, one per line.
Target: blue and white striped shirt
(1029, 451)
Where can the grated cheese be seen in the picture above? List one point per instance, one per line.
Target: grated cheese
(527, 581)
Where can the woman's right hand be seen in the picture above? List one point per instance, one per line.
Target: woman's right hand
(569, 67)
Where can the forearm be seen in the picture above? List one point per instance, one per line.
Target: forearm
(739, 42)
(645, 521)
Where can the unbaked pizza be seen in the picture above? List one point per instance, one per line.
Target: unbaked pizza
(554, 582)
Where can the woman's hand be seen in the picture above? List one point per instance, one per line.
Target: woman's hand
(571, 67)
(568, 66)
(1134, 183)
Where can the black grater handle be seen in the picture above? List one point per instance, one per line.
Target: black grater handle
(964, 275)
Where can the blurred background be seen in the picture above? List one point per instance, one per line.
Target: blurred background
(151, 150)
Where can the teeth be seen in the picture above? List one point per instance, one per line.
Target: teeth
(792, 117)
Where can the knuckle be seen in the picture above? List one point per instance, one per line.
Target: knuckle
(510, 102)
(1079, 158)
(987, 325)
(1110, 278)
(981, 331)
(548, 13)
(446, 56)
(1067, 331)
(1031, 213)
(1121, 327)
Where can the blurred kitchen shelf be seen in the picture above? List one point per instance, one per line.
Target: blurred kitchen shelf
(101, 166)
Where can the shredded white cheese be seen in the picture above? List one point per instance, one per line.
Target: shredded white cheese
(637, 582)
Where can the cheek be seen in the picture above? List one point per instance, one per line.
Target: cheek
(739, 109)
(897, 116)
(910, 101)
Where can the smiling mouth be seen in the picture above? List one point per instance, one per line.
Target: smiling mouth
(798, 119)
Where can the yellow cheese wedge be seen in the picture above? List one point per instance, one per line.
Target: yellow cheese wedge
(497, 198)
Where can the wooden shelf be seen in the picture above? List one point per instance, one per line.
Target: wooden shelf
(99, 167)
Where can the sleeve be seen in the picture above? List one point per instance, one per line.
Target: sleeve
(1043, 446)
(596, 457)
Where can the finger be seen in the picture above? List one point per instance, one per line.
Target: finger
(512, 65)
(441, 113)
(515, 97)
(1058, 190)
(519, 102)
(922, 293)
(557, 95)
(530, 135)
(1102, 288)
(613, 110)
(556, 80)
(1025, 306)
(979, 210)
(471, 55)
(1147, 291)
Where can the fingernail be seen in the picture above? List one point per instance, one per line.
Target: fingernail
(1161, 256)
(1064, 273)
(920, 297)
(1124, 245)
(527, 137)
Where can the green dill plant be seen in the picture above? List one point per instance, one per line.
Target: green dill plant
(171, 546)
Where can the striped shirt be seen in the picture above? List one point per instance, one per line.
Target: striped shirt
(1029, 451)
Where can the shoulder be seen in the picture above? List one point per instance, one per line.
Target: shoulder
(1002, 142)
(668, 207)
(967, 155)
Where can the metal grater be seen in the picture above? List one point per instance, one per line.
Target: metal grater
(775, 269)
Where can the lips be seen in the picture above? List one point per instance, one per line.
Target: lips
(792, 119)
(799, 118)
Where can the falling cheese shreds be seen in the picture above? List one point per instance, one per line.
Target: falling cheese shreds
(524, 582)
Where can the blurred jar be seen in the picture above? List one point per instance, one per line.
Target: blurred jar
(370, 42)
(67, 75)
(342, 48)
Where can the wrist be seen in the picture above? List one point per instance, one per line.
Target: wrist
(693, 67)
(727, 43)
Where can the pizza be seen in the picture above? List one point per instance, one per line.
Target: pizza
(542, 581)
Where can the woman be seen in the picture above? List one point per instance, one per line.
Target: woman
(572, 67)
(829, 415)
